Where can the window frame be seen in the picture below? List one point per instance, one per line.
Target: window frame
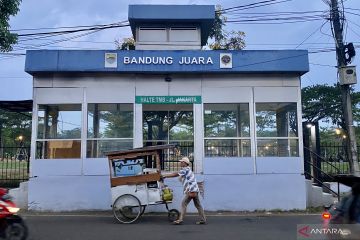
(44, 139)
(88, 139)
(289, 138)
(249, 138)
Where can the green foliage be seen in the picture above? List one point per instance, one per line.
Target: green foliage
(225, 124)
(12, 125)
(7, 8)
(120, 124)
(233, 40)
(217, 32)
(157, 125)
(126, 44)
(324, 102)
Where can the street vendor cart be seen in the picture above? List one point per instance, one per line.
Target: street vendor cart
(135, 178)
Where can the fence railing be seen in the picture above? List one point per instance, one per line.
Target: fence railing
(170, 158)
(336, 155)
(317, 174)
(14, 165)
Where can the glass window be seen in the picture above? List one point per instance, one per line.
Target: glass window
(227, 129)
(227, 148)
(59, 131)
(59, 121)
(277, 130)
(278, 147)
(276, 120)
(110, 127)
(58, 149)
(170, 124)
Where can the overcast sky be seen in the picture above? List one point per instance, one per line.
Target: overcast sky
(16, 84)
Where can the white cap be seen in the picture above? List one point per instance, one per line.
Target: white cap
(185, 160)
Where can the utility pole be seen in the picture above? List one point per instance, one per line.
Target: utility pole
(351, 147)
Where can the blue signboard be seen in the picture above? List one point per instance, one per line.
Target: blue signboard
(146, 61)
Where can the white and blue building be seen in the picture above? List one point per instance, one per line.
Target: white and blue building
(236, 114)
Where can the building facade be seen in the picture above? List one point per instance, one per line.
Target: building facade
(236, 114)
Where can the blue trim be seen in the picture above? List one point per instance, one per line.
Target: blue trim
(194, 15)
(257, 61)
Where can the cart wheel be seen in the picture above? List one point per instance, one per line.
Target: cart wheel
(127, 208)
(173, 215)
(143, 207)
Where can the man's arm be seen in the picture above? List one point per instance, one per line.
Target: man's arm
(170, 175)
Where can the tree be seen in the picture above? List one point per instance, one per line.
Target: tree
(161, 125)
(233, 40)
(126, 44)
(323, 102)
(7, 8)
(12, 125)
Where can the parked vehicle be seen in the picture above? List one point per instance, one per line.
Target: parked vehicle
(12, 226)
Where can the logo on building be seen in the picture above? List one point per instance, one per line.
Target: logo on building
(225, 60)
(110, 60)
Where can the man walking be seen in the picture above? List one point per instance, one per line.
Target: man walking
(191, 190)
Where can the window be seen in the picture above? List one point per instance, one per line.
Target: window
(227, 130)
(59, 131)
(169, 124)
(110, 128)
(277, 130)
(183, 34)
(152, 34)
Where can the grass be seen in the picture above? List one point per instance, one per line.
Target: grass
(12, 172)
(12, 164)
(344, 167)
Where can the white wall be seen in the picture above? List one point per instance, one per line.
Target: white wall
(252, 192)
(229, 165)
(69, 193)
(222, 192)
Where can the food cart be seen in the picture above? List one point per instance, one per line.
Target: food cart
(135, 178)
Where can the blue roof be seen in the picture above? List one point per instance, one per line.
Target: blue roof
(243, 61)
(203, 15)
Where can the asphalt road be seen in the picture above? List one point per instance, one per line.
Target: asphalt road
(219, 227)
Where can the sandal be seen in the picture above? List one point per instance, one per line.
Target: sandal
(177, 222)
(201, 222)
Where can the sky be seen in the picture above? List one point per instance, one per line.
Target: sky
(310, 35)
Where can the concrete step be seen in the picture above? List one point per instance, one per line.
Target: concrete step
(20, 195)
(316, 197)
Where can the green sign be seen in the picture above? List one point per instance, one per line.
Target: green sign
(168, 99)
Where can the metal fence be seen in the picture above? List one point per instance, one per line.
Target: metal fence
(335, 153)
(14, 165)
(170, 158)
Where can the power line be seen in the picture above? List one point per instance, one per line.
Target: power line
(247, 5)
(311, 34)
(271, 23)
(354, 31)
(276, 13)
(67, 27)
(323, 65)
(114, 25)
(256, 5)
(61, 40)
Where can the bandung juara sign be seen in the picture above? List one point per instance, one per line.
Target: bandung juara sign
(168, 60)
